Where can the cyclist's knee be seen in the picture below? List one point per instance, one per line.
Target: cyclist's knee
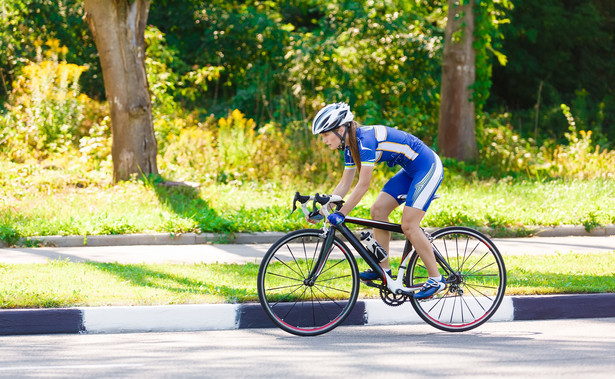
(411, 221)
(410, 229)
(382, 207)
(379, 212)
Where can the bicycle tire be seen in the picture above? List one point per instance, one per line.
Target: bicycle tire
(472, 299)
(292, 304)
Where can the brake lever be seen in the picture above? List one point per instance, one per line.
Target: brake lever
(295, 202)
(314, 209)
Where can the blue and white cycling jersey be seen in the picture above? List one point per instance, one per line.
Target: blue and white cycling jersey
(378, 143)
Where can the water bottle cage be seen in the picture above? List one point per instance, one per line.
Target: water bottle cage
(373, 246)
(380, 253)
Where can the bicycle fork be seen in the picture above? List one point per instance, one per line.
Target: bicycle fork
(325, 251)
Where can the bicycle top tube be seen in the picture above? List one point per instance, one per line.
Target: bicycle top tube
(389, 226)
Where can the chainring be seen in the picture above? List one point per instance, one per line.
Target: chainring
(392, 299)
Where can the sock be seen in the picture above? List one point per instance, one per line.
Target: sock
(436, 278)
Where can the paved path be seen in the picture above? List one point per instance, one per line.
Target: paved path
(241, 253)
(569, 349)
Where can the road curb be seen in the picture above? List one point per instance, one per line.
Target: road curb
(262, 237)
(202, 317)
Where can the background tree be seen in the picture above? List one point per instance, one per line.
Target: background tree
(560, 52)
(118, 29)
(457, 135)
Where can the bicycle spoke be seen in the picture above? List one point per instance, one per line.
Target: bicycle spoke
(331, 267)
(469, 255)
(476, 289)
(290, 268)
(295, 260)
(285, 277)
(319, 286)
(328, 297)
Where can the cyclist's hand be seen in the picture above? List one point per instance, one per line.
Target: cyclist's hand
(336, 218)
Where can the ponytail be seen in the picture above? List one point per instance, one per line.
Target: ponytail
(351, 130)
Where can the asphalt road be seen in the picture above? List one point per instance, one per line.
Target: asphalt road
(234, 253)
(521, 349)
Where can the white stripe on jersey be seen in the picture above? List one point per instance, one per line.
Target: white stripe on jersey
(381, 132)
(398, 148)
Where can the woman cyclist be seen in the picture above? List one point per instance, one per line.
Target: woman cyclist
(419, 177)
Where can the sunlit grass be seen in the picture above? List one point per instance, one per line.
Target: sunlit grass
(65, 284)
(38, 201)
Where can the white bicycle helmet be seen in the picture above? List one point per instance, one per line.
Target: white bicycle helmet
(331, 117)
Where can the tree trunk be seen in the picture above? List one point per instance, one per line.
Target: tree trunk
(118, 28)
(457, 138)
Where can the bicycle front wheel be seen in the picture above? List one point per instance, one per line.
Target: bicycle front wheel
(290, 300)
(475, 288)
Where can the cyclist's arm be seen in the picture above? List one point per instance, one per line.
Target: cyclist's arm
(345, 183)
(365, 177)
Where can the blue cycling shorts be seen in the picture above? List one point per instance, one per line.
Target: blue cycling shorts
(419, 180)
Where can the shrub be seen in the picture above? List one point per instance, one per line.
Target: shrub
(45, 107)
(503, 152)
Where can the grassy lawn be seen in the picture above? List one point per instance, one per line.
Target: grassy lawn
(38, 203)
(65, 284)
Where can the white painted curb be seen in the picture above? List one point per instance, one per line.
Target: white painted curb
(160, 318)
(378, 313)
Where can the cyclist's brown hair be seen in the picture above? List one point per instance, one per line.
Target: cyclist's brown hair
(351, 131)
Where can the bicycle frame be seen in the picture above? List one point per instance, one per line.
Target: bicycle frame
(395, 286)
(312, 295)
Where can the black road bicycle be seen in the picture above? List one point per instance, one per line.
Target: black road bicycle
(308, 281)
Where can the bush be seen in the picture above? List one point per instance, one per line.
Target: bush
(503, 152)
(47, 114)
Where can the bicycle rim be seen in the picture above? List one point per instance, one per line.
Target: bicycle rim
(476, 293)
(291, 303)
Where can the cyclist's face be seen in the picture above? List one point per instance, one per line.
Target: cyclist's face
(331, 140)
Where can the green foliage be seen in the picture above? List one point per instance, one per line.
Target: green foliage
(504, 152)
(381, 59)
(560, 52)
(488, 37)
(47, 115)
(23, 22)
(8, 234)
(44, 109)
(283, 59)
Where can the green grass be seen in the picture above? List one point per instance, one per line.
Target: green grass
(66, 284)
(39, 201)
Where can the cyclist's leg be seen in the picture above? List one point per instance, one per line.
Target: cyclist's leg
(380, 210)
(426, 175)
(386, 203)
(410, 223)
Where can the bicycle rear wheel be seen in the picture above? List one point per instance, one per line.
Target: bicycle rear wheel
(475, 288)
(297, 306)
